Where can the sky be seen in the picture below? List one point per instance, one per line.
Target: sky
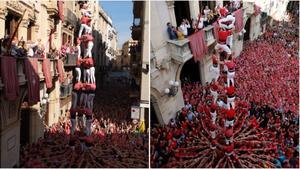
(122, 17)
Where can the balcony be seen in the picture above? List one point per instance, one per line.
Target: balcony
(21, 72)
(209, 35)
(70, 60)
(136, 32)
(65, 90)
(52, 7)
(70, 17)
(180, 50)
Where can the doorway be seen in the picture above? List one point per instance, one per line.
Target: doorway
(182, 11)
(190, 72)
(247, 28)
(25, 126)
(11, 22)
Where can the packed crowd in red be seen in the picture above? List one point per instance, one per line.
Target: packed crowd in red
(265, 132)
(115, 140)
(267, 71)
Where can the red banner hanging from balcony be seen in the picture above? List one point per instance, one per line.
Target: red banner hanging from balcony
(9, 77)
(60, 70)
(238, 14)
(198, 45)
(60, 6)
(33, 80)
(47, 72)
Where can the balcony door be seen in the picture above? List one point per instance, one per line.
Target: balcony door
(182, 11)
(11, 22)
(190, 72)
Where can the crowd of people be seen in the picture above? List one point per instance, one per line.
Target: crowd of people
(35, 49)
(265, 128)
(116, 141)
(205, 18)
(267, 71)
(264, 136)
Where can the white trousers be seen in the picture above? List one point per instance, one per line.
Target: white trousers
(215, 95)
(228, 140)
(229, 123)
(80, 121)
(213, 134)
(73, 125)
(78, 74)
(92, 71)
(89, 49)
(83, 100)
(90, 102)
(87, 75)
(229, 41)
(231, 101)
(213, 117)
(84, 27)
(230, 77)
(74, 100)
(215, 72)
(224, 47)
(88, 127)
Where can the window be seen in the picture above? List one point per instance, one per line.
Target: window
(11, 23)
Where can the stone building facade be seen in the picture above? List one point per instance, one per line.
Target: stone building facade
(139, 56)
(170, 59)
(20, 124)
(126, 48)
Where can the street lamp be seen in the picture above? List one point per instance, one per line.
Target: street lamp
(43, 104)
(172, 91)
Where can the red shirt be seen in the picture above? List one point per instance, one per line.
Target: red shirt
(230, 91)
(229, 148)
(89, 37)
(85, 20)
(223, 35)
(230, 113)
(228, 133)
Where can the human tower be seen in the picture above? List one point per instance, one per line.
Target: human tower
(84, 89)
(228, 137)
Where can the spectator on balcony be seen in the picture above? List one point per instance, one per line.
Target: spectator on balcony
(14, 47)
(206, 11)
(201, 23)
(179, 32)
(236, 4)
(185, 24)
(4, 45)
(22, 49)
(30, 48)
(171, 31)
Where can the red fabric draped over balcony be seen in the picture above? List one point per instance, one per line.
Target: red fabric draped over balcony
(198, 45)
(9, 77)
(60, 70)
(238, 20)
(33, 80)
(47, 72)
(216, 28)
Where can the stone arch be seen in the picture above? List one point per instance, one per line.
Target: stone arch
(247, 27)
(191, 68)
